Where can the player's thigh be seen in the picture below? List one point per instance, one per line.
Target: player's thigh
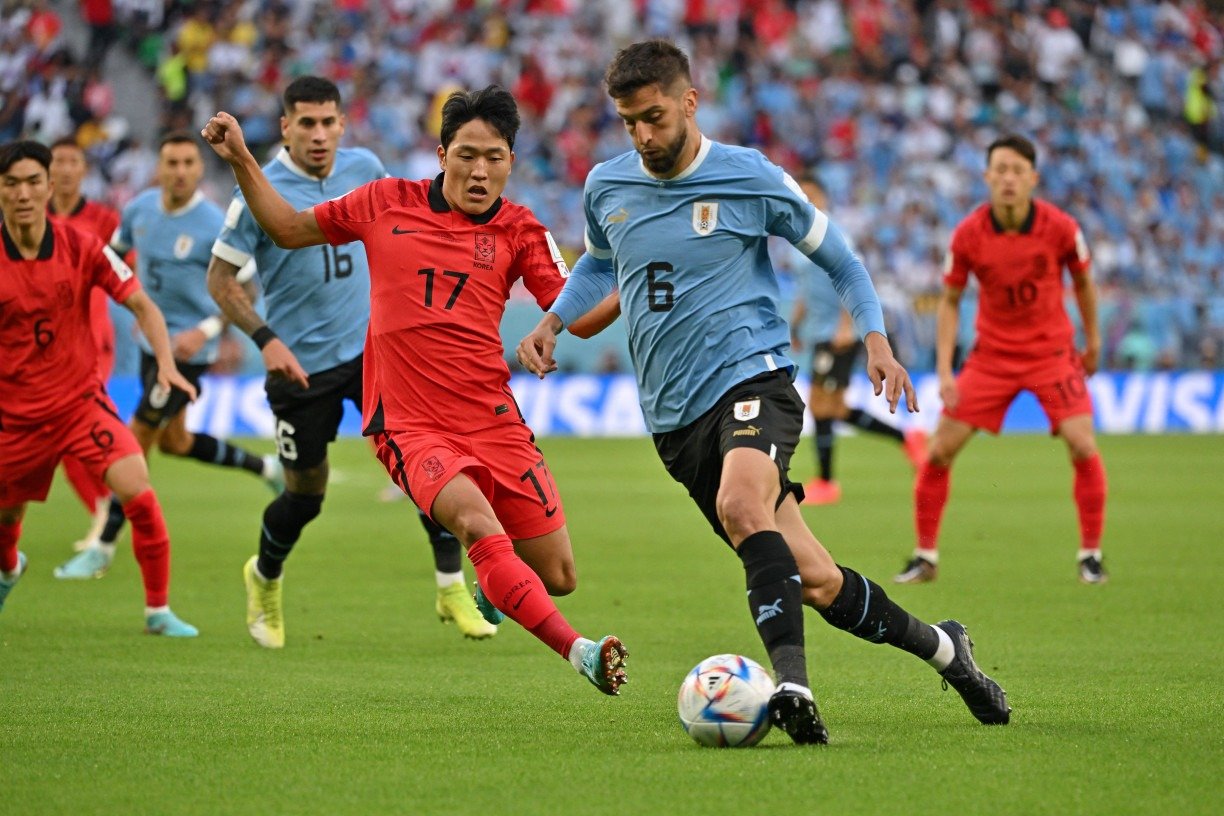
(307, 421)
(1061, 387)
(99, 440)
(986, 391)
(128, 477)
(551, 556)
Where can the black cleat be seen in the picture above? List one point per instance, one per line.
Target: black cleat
(1092, 570)
(796, 714)
(917, 570)
(986, 699)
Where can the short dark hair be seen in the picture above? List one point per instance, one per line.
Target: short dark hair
(650, 62)
(493, 104)
(66, 141)
(14, 152)
(808, 177)
(309, 89)
(176, 137)
(1016, 142)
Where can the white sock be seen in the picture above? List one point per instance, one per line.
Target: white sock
(10, 577)
(107, 549)
(804, 690)
(446, 579)
(944, 654)
(930, 556)
(153, 610)
(575, 654)
(269, 466)
(1088, 554)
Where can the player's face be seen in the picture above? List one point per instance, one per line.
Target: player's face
(661, 125)
(68, 168)
(25, 189)
(312, 133)
(179, 170)
(477, 165)
(1010, 178)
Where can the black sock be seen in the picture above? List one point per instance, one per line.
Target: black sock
(824, 448)
(214, 451)
(866, 422)
(114, 522)
(864, 610)
(283, 521)
(775, 599)
(448, 553)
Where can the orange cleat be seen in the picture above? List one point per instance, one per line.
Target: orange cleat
(820, 491)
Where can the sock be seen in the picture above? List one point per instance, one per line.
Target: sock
(866, 422)
(864, 610)
(9, 535)
(448, 554)
(775, 600)
(515, 589)
(930, 496)
(446, 579)
(153, 610)
(575, 653)
(1090, 490)
(150, 545)
(114, 522)
(944, 653)
(283, 521)
(824, 448)
(89, 489)
(214, 451)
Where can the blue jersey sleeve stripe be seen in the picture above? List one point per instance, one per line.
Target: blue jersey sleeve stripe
(811, 242)
(230, 254)
(591, 280)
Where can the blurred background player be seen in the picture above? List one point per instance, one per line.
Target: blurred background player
(172, 228)
(819, 318)
(1016, 246)
(52, 400)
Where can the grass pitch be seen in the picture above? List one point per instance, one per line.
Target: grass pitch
(374, 707)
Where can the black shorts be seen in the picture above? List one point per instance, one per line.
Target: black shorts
(765, 413)
(307, 418)
(156, 408)
(831, 368)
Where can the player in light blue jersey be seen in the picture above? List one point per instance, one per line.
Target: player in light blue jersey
(172, 227)
(679, 226)
(818, 319)
(318, 306)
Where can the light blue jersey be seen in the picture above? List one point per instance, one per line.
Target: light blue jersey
(689, 255)
(318, 298)
(172, 254)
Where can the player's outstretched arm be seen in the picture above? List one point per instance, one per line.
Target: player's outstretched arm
(287, 227)
(235, 302)
(947, 325)
(887, 375)
(1085, 297)
(153, 325)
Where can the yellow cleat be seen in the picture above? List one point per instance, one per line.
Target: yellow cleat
(455, 604)
(264, 620)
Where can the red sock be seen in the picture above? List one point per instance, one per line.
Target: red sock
(1090, 490)
(150, 545)
(930, 496)
(515, 589)
(9, 534)
(89, 489)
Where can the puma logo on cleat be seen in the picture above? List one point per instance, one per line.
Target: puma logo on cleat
(767, 611)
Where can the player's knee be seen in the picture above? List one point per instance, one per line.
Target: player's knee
(174, 445)
(821, 583)
(1081, 449)
(940, 452)
(742, 514)
(560, 578)
(290, 512)
(470, 524)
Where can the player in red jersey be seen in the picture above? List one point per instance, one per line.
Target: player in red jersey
(1016, 246)
(67, 205)
(52, 400)
(443, 255)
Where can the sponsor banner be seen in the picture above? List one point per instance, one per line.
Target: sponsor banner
(606, 405)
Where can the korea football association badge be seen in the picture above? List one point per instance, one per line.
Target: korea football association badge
(748, 409)
(705, 217)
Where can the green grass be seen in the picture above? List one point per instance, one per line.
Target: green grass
(374, 707)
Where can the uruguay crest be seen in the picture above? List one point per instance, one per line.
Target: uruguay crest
(705, 217)
(183, 245)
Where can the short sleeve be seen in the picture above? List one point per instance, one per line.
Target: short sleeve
(594, 238)
(1077, 258)
(348, 218)
(110, 273)
(956, 264)
(788, 213)
(122, 239)
(540, 264)
(240, 235)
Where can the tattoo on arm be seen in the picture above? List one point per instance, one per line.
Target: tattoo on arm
(235, 302)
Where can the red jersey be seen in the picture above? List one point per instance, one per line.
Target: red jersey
(439, 280)
(102, 221)
(1020, 307)
(47, 353)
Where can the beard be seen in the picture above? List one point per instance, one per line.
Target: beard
(663, 164)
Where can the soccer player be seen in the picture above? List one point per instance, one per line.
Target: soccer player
(68, 168)
(1016, 246)
(52, 400)
(172, 227)
(818, 315)
(318, 306)
(679, 225)
(443, 256)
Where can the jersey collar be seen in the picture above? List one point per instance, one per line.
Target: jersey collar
(80, 205)
(439, 204)
(284, 158)
(45, 251)
(195, 199)
(702, 152)
(1025, 228)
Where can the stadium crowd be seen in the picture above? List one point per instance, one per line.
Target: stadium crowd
(890, 102)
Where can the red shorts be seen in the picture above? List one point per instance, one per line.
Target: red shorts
(92, 433)
(503, 461)
(989, 383)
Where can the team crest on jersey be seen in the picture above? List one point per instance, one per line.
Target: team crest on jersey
(183, 245)
(63, 292)
(433, 468)
(748, 409)
(486, 247)
(705, 217)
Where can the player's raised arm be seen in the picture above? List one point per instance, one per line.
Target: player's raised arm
(153, 325)
(288, 228)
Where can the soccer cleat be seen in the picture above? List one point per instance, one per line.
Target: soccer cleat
(603, 663)
(1092, 570)
(274, 473)
(455, 604)
(7, 586)
(918, 570)
(487, 610)
(796, 714)
(168, 624)
(92, 562)
(915, 447)
(985, 698)
(821, 491)
(264, 620)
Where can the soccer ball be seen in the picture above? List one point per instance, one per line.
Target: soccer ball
(724, 701)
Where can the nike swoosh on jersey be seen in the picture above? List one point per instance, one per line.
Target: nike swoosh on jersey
(550, 513)
(397, 231)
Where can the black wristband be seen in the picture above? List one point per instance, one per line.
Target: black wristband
(263, 336)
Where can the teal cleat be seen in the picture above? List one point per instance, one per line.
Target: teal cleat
(487, 610)
(7, 586)
(169, 625)
(274, 474)
(603, 663)
(91, 562)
